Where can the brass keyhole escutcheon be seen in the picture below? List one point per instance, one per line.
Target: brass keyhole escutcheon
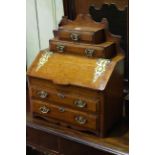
(89, 52)
(75, 36)
(60, 48)
(61, 95)
(61, 109)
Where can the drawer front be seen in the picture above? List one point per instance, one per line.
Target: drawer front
(77, 36)
(73, 101)
(84, 50)
(64, 114)
(66, 89)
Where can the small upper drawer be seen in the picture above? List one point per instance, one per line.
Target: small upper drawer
(82, 29)
(105, 50)
(78, 36)
(65, 114)
(72, 100)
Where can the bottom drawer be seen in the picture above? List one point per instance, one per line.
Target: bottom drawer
(76, 118)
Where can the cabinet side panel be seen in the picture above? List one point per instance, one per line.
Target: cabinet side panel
(113, 105)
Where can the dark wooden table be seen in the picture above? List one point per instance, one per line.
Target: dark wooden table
(52, 139)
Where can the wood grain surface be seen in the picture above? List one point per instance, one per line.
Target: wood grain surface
(68, 115)
(66, 98)
(105, 50)
(64, 70)
(85, 27)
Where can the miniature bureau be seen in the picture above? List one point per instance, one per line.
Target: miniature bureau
(78, 81)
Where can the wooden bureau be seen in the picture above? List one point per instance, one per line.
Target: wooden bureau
(47, 137)
(83, 108)
(77, 84)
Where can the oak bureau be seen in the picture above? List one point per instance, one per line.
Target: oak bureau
(78, 81)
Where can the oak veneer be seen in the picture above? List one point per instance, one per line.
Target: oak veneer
(61, 75)
(46, 138)
(104, 50)
(67, 115)
(76, 91)
(64, 70)
(68, 99)
(80, 30)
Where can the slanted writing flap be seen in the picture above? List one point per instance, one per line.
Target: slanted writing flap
(72, 70)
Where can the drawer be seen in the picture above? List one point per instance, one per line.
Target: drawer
(105, 50)
(83, 29)
(66, 89)
(82, 36)
(64, 114)
(72, 100)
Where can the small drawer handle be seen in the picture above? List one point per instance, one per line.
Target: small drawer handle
(60, 48)
(89, 52)
(42, 94)
(75, 36)
(44, 109)
(80, 103)
(80, 120)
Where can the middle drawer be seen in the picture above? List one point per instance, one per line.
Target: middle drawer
(62, 98)
(104, 50)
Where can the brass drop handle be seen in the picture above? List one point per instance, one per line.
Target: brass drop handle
(44, 109)
(75, 36)
(42, 94)
(60, 48)
(80, 120)
(80, 103)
